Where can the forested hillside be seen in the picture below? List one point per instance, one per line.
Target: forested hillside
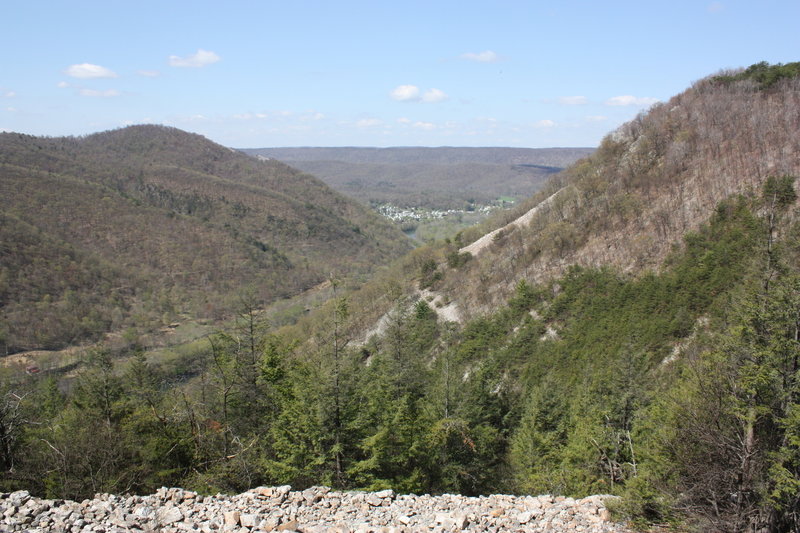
(433, 178)
(651, 181)
(130, 228)
(639, 336)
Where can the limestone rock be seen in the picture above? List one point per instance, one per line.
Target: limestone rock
(316, 509)
(231, 518)
(171, 515)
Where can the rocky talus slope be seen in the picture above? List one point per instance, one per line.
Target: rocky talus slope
(313, 510)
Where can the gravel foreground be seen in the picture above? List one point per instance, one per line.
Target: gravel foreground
(317, 509)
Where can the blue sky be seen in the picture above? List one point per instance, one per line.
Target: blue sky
(347, 73)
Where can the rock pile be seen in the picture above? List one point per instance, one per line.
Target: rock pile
(316, 509)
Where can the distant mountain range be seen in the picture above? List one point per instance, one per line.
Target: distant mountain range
(444, 177)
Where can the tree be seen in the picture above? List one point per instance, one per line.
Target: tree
(314, 438)
(735, 444)
(339, 341)
(11, 422)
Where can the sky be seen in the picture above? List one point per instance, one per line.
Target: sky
(251, 74)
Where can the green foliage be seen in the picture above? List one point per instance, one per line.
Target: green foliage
(462, 455)
(779, 191)
(457, 260)
(394, 454)
(423, 312)
(588, 386)
(429, 274)
(525, 297)
(737, 420)
(539, 439)
(651, 387)
(644, 504)
(764, 74)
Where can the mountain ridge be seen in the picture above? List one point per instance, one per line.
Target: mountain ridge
(656, 177)
(124, 196)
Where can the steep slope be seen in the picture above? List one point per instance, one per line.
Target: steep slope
(651, 181)
(172, 222)
(444, 177)
(676, 387)
(633, 329)
(625, 206)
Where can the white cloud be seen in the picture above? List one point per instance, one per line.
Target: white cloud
(148, 73)
(412, 93)
(627, 99)
(62, 85)
(405, 93)
(546, 123)
(9, 94)
(433, 96)
(573, 100)
(110, 93)
(596, 118)
(368, 122)
(427, 126)
(404, 120)
(88, 71)
(201, 58)
(482, 57)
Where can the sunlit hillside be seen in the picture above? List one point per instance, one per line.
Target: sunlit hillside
(133, 227)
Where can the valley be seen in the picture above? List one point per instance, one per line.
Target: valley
(431, 193)
(429, 178)
(629, 326)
